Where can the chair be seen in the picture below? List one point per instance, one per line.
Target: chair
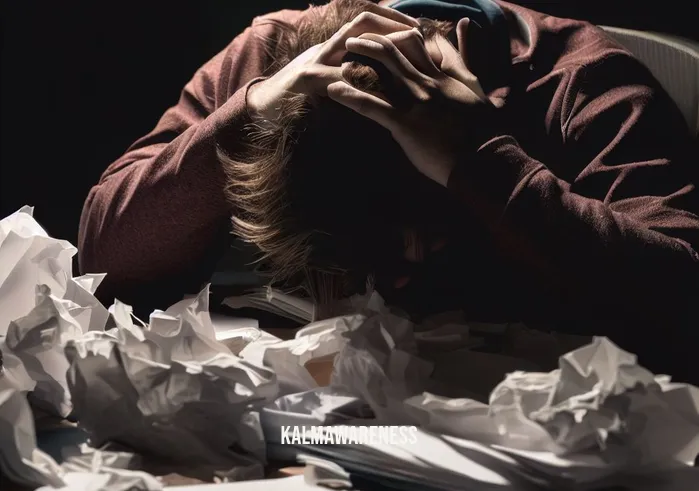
(673, 61)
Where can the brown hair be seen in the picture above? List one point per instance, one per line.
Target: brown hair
(289, 183)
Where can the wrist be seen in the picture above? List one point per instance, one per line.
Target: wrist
(254, 101)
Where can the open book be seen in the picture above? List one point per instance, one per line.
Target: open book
(274, 301)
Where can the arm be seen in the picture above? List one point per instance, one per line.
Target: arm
(158, 219)
(620, 236)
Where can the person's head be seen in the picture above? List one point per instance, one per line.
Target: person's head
(326, 194)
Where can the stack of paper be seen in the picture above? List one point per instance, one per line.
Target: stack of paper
(270, 300)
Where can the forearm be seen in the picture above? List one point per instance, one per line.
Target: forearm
(160, 209)
(575, 246)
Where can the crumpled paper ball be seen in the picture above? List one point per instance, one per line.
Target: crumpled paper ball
(41, 306)
(170, 389)
(599, 400)
(379, 365)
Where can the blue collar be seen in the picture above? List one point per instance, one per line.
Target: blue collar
(491, 30)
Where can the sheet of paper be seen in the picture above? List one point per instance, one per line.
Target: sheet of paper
(428, 462)
(270, 300)
(228, 327)
(117, 481)
(293, 483)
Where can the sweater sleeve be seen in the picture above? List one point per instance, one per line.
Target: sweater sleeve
(158, 218)
(612, 229)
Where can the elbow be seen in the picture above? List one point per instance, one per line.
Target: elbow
(98, 244)
(88, 234)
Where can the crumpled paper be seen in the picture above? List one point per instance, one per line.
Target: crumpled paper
(322, 406)
(41, 307)
(37, 340)
(171, 390)
(288, 358)
(28, 258)
(601, 400)
(379, 365)
(168, 388)
(20, 460)
(24, 464)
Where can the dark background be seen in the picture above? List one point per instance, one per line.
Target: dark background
(82, 80)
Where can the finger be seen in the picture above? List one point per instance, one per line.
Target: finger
(382, 49)
(362, 103)
(453, 65)
(412, 45)
(333, 49)
(461, 34)
(454, 62)
(316, 78)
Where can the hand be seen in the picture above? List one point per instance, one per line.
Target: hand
(440, 111)
(312, 71)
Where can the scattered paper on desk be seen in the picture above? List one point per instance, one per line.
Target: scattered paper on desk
(171, 390)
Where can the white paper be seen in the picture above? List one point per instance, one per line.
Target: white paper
(13, 375)
(322, 406)
(41, 307)
(379, 365)
(29, 257)
(270, 300)
(287, 358)
(171, 390)
(599, 400)
(20, 460)
(116, 480)
(227, 327)
(432, 460)
(38, 340)
(293, 483)
(174, 388)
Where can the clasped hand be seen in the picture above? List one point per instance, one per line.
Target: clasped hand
(439, 112)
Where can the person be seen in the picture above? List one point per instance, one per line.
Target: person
(353, 141)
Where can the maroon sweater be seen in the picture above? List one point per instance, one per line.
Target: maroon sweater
(588, 194)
